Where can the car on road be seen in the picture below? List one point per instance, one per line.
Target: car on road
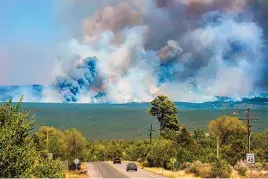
(132, 166)
(117, 160)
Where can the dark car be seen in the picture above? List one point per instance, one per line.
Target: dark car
(117, 160)
(132, 166)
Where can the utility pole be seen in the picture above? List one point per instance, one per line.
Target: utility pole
(151, 130)
(249, 125)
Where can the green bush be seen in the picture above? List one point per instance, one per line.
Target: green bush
(49, 169)
(221, 169)
(242, 171)
(258, 166)
(169, 166)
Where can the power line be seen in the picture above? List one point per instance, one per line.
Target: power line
(249, 125)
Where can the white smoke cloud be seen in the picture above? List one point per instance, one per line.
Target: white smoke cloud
(228, 76)
(136, 60)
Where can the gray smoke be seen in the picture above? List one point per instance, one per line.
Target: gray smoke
(190, 50)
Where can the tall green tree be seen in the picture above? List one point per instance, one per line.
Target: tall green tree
(259, 145)
(234, 152)
(185, 139)
(76, 144)
(226, 129)
(161, 152)
(52, 140)
(260, 140)
(18, 155)
(199, 134)
(165, 111)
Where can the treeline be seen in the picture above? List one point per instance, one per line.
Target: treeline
(211, 154)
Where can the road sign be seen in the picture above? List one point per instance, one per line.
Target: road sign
(250, 158)
(173, 160)
(76, 161)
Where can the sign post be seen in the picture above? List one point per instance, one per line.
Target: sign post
(76, 161)
(250, 161)
(173, 161)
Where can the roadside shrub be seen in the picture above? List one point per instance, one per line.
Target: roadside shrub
(242, 171)
(195, 167)
(184, 155)
(49, 168)
(145, 164)
(205, 170)
(185, 166)
(169, 166)
(220, 169)
(240, 164)
(258, 166)
(209, 158)
(241, 168)
(266, 156)
(265, 166)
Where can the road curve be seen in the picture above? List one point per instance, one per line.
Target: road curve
(103, 170)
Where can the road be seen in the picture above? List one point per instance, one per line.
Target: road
(141, 173)
(103, 170)
(110, 170)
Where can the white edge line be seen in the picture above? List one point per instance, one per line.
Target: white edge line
(97, 170)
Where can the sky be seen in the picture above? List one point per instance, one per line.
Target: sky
(28, 36)
(133, 50)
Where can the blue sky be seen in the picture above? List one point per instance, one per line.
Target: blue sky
(28, 36)
(27, 19)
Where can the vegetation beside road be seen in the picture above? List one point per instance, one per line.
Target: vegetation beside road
(216, 154)
(19, 157)
(195, 152)
(78, 174)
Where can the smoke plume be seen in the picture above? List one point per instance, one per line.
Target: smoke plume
(190, 50)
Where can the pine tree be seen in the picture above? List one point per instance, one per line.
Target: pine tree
(166, 112)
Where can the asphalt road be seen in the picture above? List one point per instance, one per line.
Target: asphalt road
(103, 170)
(110, 170)
(141, 173)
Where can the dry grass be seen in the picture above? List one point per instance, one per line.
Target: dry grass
(75, 174)
(183, 174)
(169, 173)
